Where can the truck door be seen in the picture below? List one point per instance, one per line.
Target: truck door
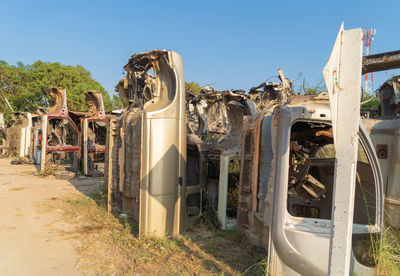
(306, 169)
(302, 202)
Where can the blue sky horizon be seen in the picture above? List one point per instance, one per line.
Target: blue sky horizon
(230, 44)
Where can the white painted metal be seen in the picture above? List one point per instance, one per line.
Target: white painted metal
(22, 142)
(44, 143)
(342, 75)
(25, 142)
(225, 222)
(85, 146)
(223, 189)
(36, 147)
(2, 125)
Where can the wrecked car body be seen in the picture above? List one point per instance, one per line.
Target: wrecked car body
(146, 161)
(289, 152)
(384, 131)
(19, 134)
(94, 132)
(214, 127)
(287, 197)
(214, 143)
(59, 138)
(286, 203)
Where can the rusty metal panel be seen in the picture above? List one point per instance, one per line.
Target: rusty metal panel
(60, 137)
(94, 132)
(381, 62)
(247, 172)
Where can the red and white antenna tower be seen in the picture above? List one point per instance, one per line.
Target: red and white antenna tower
(369, 78)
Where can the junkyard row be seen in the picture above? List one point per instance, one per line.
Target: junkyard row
(263, 161)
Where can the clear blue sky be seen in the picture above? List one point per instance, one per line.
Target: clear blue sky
(234, 44)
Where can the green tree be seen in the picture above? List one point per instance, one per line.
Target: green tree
(193, 87)
(26, 86)
(117, 102)
(370, 101)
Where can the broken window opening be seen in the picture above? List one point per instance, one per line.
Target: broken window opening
(311, 173)
(212, 181)
(193, 196)
(192, 167)
(61, 132)
(193, 203)
(96, 161)
(96, 134)
(233, 188)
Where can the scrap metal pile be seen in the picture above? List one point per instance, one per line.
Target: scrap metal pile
(146, 145)
(283, 144)
(213, 123)
(57, 139)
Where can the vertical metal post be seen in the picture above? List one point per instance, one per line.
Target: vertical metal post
(108, 169)
(44, 143)
(342, 75)
(223, 188)
(85, 124)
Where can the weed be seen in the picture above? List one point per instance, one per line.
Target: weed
(387, 253)
(48, 171)
(209, 217)
(258, 268)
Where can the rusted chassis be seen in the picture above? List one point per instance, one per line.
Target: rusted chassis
(58, 114)
(94, 130)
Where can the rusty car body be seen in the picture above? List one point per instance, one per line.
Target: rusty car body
(146, 160)
(19, 134)
(287, 184)
(59, 138)
(71, 140)
(298, 155)
(94, 132)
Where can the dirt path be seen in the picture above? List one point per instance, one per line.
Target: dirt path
(31, 242)
(50, 227)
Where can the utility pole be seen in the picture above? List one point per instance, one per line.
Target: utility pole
(368, 37)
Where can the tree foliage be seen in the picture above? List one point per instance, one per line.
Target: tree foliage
(371, 101)
(117, 102)
(193, 87)
(316, 88)
(26, 86)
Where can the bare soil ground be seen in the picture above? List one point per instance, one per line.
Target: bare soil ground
(59, 227)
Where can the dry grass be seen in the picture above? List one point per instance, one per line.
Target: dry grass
(387, 253)
(111, 247)
(50, 170)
